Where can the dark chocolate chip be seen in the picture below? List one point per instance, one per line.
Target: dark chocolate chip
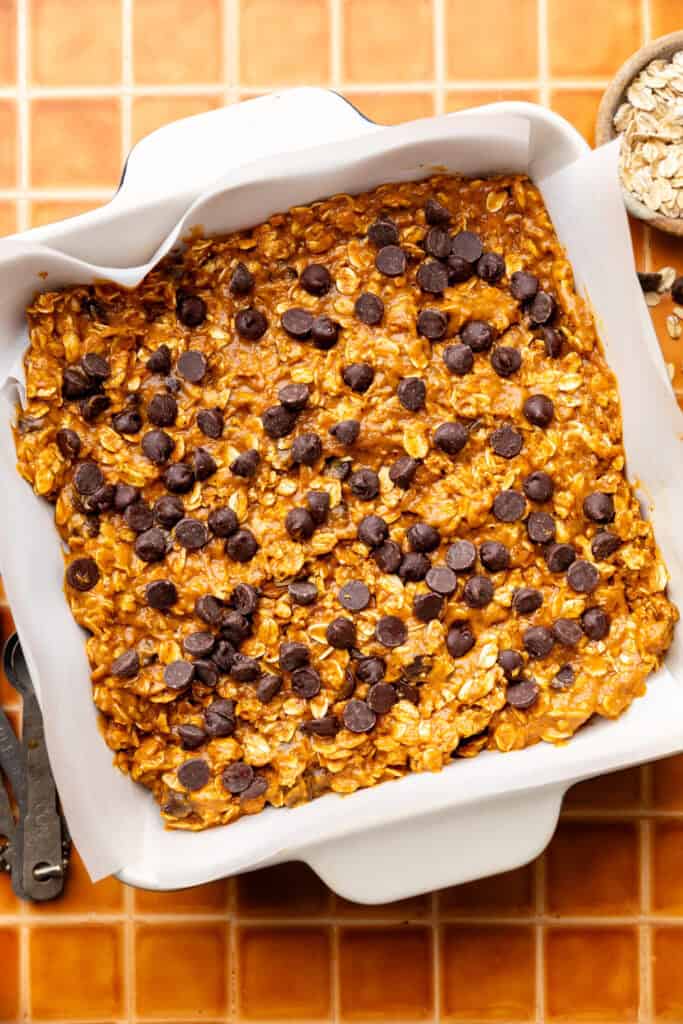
(192, 366)
(381, 698)
(307, 449)
(359, 717)
(162, 411)
(412, 393)
(160, 360)
(388, 557)
(427, 607)
(91, 408)
(223, 522)
(219, 718)
(541, 527)
(559, 557)
(203, 464)
(432, 277)
(406, 691)
(194, 774)
(539, 410)
(371, 670)
(494, 556)
(190, 309)
(93, 308)
(244, 669)
(649, 282)
(467, 245)
(191, 534)
(303, 592)
(299, 524)
(373, 531)
(237, 777)
(423, 537)
(478, 592)
(293, 655)
(129, 421)
(604, 544)
(459, 269)
(101, 501)
(526, 600)
(364, 484)
(329, 725)
(211, 422)
(88, 478)
(402, 472)
(491, 267)
(541, 308)
(523, 695)
(567, 632)
(391, 261)
(436, 213)
(459, 639)
(383, 232)
(506, 361)
(223, 656)
(552, 341)
(506, 442)
(523, 285)
(96, 366)
(596, 623)
(179, 478)
(126, 665)
(442, 580)
(538, 486)
(437, 242)
(241, 280)
(538, 641)
(157, 446)
(234, 627)
(358, 376)
(462, 556)
(346, 432)
(459, 359)
(414, 567)
(267, 687)
(82, 574)
(191, 736)
(599, 507)
(677, 290)
(297, 322)
(583, 577)
(246, 464)
(294, 396)
(68, 442)
(209, 609)
(318, 503)
(206, 672)
(341, 633)
(509, 506)
(391, 631)
(161, 595)
(432, 324)
(241, 546)
(306, 683)
(139, 517)
(450, 438)
(178, 674)
(564, 679)
(511, 662)
(152, 545)
(199, 644)
(278, 421)
(251, 324)
(354, 596)
(338, 469)
(316, 279)
(76, 383)
(478, 335)
(369, 309)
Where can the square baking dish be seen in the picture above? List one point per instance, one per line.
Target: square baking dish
(476, 817)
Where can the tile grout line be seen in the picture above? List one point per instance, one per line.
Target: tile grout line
(126, 97)
(645, 931)
(543, 52)
(23, 112)
(439, 42)
(539, 906)
(129, 953)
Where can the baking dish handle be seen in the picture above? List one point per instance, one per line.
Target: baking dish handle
(440, 849)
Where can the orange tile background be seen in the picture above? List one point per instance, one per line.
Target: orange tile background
(593, 930)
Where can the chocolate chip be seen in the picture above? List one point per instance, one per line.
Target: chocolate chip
(491, 267)
(432, 324)
(307, 449)
(242, 546)
(293, 655)
(88, 478)
(267, 687)
(388, 557)
(319, 506)
(559, 557)
(191, 736)
(359, 717)
(539, 410)
(278, 421)
(191, 534)
(478, 335)
(358, 376)
(91, 408)
(157, 446)
(478, 592)
(467, 245)
(139, 517)
(190, 309)
(76, 383)
(436, 213)
(677, 290)
(383, 232)
(381, 698)
(442, 580)
(459, 270)
(509, 506)
(234, 627)
(364, 484)
(412, 393)
(209, 609)
(161, 595)
(203, 464)
(338, 469)
(299, 524)
(346, 432)
(506, 361)
(564, 679)
(372, 530)
(391, 631)
(126, 665)
(101, 501)
(179, 478)
(302, 592)
(241, 280)
(542, 308)
(94, 309)
(306, 683)
(523, 285)
(391, 261)
(162, 411)
(567, 632)
(68, 442)
(406, 691)
(494, 556)
(458, 359)
(604, 544)
(354, 596)
(192, 366)
(223, 522)
(595, 623)
(316, 279)
(427, 607)
(649, 282)
(511, 663)
(450, 438)
(341, 633)
(414, 567)
(219, 718)
(552, 341)
(522, 695)
(199, 644)
(82, 574)
(178, 674)
(538, 641)
(371, 670)
(160, 360)
(294, 396)
(246, 464)
(583, 577)
(251, 324)
(223, 656)
(211, 422)
(423, 537)
(432, 276)
(526, 600)
(194, 774)
(461, 556)
(129, 421)
(506, 442)
(541, 527)
(437, 242)
(599, 507)
(369, 309)
(96, 366)
(152, 545)
(237, 777)
(538, 486)
(329, 725)
(244, 669)
(257, 788)
(297, 322)
(402, 472)
(206, 672)
(459, 639)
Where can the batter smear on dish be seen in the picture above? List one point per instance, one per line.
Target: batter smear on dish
(343, 497)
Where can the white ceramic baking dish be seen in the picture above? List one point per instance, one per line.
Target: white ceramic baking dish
(425, 831)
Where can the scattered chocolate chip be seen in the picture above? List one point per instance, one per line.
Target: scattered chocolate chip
(241, 280)
(223, 522)
(341, 633)
(388, 557)
(564, 679)
(541, 308)
(178, 674)
(391, 631)
(76, 383)
(91, 408)
(369, 309)
(538, 641)
(462, 556)
(293, 655)
(152, 545)
(306, 683)
(402, 472)
(246, 464)
(346, 432)
(437, 242)
(506, 361)
(477, 335)
(88, 478)
(234, 627)
(101, 501)
(299, 524)
(494, 556)
(541, 527)
(179, 478)
(206, 672)
(329, 725)
(307, 449)
(160, 360)
(192, 365)
(358, 376)
(595, 623)
(559, 557)
(223, 656)
(194, 774)
(372, 530)
(391, 261)
(432, 277)
(359, 717)
(412, 393)
(506, 442)
(209, 609)
(139, 517)
(567, 632)
(450, 438)
(354, 596)
(414, 567)
(552, 341)
(511, 663)
(583, 577)
(406, 691)
(436, 213)
(599, 507)
(191, 534)
(523, 285)
(241, 546)
(509, 506)
(371, 670)
(294, 397)
(427, 607)
(162, 411)
(303, 592)
(237, 777)
(199, 644)
(338, 469)
(459, 270)
(96, 366)
(316, 279)
(125, 495)
(538, 486)
(267, 687)
(364, 484)
(383, 232)
(467, 246)
(211, 422)
(423, 537)
(478, 592)
(244, 669)
(526, 600)
(491, 267)
(93, 308)
(219, 718)
(650, 282)
(432, 324)
(126, 665)
(251, 324)
(604, 544)
(459, 639)
(203, 464)
(161, 595)
(278, 421)
(190, 309)
(191, 736)
(539, 410)
(157, 446)
(318, 503)
(297, 322)
(82, 574)
(522, 695)
(68, 442)
(459, 359)
(129, 421)
(381, 698)
(442, 580)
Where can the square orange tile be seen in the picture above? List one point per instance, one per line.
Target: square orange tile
(212, 898)
(284, 973)
(385, 973)
(9, 961)
(497, 39)
(8, 695)
(617, 791)
(80, 896)
(76, 971)
(387, 41)
(8, 151)
(177, 42)
(48, 211)
(281, 45)
(77, 45)
(75, 143)
(151, 112)
(591, 37)
(665, 16)
(284, 890)
(8, 42)
(667, 858)
(9, 904)
(667, 955)
(511, 892)
(462, 99)
(667, 784)
(579, 107)
(488, 972)
(591, 974)
(593, 868)
(393, 107)
(181, 970)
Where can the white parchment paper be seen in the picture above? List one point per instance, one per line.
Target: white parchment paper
(111, 818)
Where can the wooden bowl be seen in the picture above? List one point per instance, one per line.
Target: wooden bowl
(615, 94)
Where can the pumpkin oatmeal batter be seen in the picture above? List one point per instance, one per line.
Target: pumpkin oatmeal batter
(343, 497)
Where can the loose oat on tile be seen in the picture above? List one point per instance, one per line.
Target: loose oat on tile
(343, 496)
